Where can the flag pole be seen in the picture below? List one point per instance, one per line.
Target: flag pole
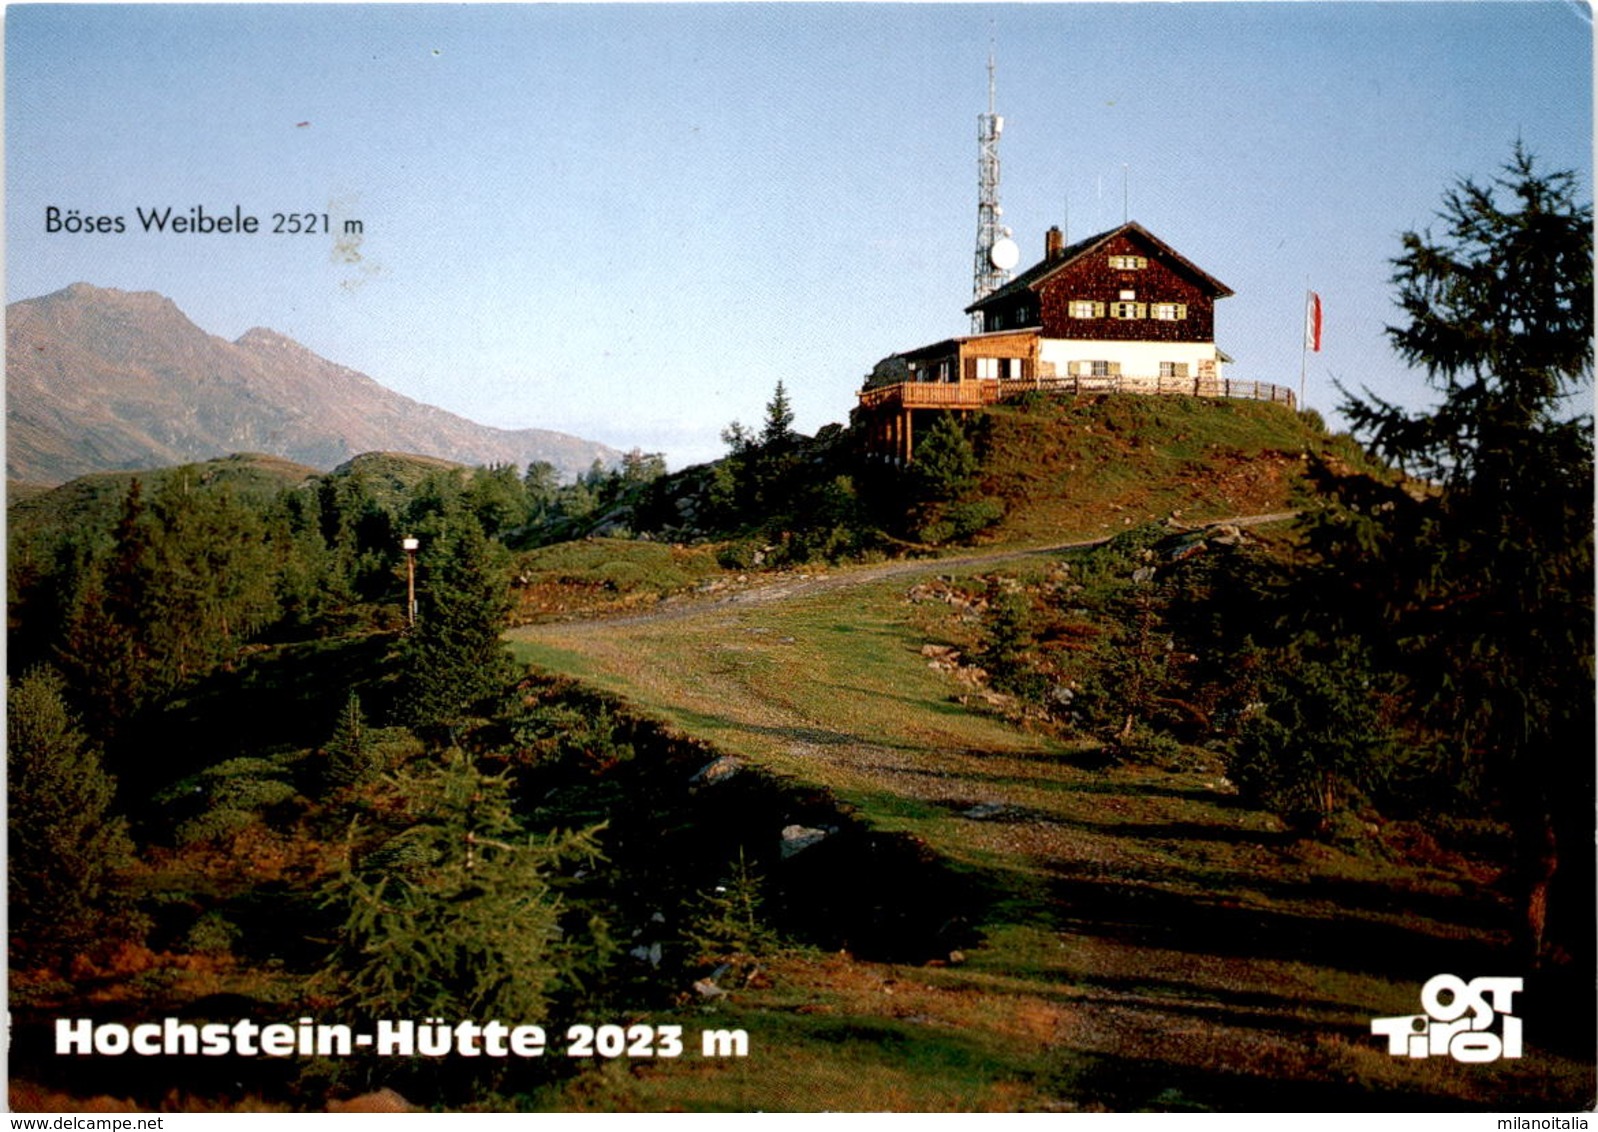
(1303, 347)
(1312, 337)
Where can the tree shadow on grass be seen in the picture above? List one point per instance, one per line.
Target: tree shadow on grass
(1133, 1084)
(1149, 915)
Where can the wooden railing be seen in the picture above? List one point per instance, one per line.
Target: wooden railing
(934, 394)
(976, 394)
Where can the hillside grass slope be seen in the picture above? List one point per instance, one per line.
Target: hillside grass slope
(1145, 939)
(1089, 466)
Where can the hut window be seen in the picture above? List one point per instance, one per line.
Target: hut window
(1128, 262)
(1168, 312)
(1086, 308)
(1126, 310)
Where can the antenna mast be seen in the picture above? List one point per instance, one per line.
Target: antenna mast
(996, 252)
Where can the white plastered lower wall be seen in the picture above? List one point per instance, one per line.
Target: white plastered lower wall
(1136, 359)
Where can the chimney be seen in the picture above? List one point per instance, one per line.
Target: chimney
(1054, 243)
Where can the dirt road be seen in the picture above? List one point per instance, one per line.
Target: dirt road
(764, 589)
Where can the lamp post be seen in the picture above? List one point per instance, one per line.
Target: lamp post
(410, 545)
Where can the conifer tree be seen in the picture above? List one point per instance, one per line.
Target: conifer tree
(458, 915)
(778, 431)
(726, 923)
(65, 847)
(1476, 582)
(946, 463)
(454, 658)
(349, 750)
(104, 649)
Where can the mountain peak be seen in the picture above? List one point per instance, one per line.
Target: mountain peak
(260, 337)
(106, 380)
(89, 293)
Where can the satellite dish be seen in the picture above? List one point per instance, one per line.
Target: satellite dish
(1004, 254)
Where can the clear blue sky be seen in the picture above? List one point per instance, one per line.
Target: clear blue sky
(629, 222)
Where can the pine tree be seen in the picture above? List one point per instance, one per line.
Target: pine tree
(211, 586)
(105, 650)
(778, 429)
(459, 915)
(65, 847)
(946, 463)
(349, 751)
(497, 497)
(454, 658)
(725, 924)
(1477, 582)
(772, 467)
(541, 485)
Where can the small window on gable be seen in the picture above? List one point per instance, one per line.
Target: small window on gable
(1168, 312)
(1128, 262)
(1085, 308)
(1126, 310)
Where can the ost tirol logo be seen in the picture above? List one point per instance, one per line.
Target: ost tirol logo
(1458, 1021)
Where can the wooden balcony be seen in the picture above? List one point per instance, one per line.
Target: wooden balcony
(966, 395)
(932, 395)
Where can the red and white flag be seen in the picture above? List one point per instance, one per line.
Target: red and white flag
(1312, 323)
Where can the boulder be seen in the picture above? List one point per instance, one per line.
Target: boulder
(797, 838)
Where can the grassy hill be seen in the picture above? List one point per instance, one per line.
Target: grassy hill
(93, 501)
(392, 476)
(1046, 469)
(1056, 470)
(1089, 466)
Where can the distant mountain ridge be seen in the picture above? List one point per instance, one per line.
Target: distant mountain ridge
(105, 380)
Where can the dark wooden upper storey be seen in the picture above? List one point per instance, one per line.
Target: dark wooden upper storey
(1122, 285)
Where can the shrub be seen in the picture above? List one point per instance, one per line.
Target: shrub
(231, 796)
(212, 934)
(1317, 745)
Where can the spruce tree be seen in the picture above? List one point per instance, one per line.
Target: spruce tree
(946, 463)
(459, 914)
(778, 431)
(454, 658)
(105, 650)
(65, 847)
(1475, 580)
(349, 751)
